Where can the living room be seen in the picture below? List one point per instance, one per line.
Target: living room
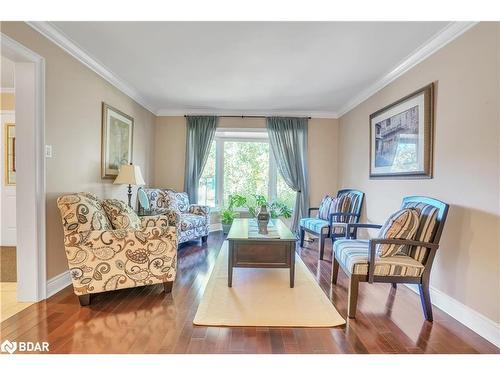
(252, 187)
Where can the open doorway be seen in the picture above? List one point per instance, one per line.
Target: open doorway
(8, 252)
(22, 178)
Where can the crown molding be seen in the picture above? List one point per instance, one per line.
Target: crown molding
(437, 42)
(434, 44)
(213, 112)
(59, 38)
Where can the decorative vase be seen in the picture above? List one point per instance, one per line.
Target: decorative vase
(263, 219)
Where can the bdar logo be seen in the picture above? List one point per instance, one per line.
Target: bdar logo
(8, 346)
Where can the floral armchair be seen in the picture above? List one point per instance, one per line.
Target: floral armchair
(191, 220)
(109, 247)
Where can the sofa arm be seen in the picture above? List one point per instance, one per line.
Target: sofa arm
(173, 216)
(197, 209)
(155, 221)
(117, 259)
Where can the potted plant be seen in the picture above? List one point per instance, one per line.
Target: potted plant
(253, 204)
(276, 208)
(229, 214)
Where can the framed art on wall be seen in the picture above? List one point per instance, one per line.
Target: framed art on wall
(10, 154)
(401, 137)
(117, 138)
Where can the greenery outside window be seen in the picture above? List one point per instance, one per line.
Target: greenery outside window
(240, 162)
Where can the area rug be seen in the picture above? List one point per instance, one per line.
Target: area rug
(263, 297)
(8, 271)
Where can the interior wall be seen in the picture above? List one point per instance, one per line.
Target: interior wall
(7, 101)
(73, 96)
(170, 149)
(466, 163)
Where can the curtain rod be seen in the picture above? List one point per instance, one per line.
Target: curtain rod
(243, 116)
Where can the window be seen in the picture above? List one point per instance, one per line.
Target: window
(206, 187)
(241, 162)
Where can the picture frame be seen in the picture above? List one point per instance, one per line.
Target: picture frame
(116, 140)
(10, 154)
(401, 137)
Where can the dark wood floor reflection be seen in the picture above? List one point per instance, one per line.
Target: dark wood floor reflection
(145, 320)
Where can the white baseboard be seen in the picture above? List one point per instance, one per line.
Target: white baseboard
(58, 283)
(215, 227)
(470, 318)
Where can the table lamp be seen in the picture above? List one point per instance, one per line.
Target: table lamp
(129, 174)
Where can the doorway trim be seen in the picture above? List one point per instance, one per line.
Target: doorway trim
(33, 285)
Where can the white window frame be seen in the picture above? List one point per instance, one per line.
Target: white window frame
(223, 135)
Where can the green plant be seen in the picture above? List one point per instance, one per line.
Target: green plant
(276, 209)
(253, 204)
(236, 200)
(227, 216)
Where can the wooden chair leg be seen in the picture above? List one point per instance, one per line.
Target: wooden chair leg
(335, 269)
(321, 246)
(168, 285)
(302, 235)
(352, 297)
(84, 299)
(425, 298)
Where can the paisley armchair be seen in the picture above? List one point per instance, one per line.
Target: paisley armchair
(191, 220)
(108, 248)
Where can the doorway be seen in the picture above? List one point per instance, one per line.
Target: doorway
(8, 259)
(22, 192)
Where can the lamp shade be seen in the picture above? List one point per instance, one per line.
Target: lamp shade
(129, 175)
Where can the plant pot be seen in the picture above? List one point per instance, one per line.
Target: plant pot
(225, 228)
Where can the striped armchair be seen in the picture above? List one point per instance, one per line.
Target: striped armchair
(332, 221)
(361, 261)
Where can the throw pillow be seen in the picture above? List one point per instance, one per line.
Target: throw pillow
(82, 212)
(324, 208)
(402, 224)
(341, 204)
(121, 215)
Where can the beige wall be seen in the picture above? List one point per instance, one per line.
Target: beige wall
(7, 101)
(170, 146)
(467, 170)
(73, 96)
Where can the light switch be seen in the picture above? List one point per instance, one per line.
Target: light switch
(48, 151)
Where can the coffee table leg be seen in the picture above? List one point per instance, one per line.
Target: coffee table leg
(292, 266)
(230, 266)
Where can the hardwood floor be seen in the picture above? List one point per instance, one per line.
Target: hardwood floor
(145, 320)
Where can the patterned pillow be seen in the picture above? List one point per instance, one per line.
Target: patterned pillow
(81, 212)
(324, 208)
(353, 205)
(121, 215)
(341, 204)
(178, 201)
(426, 229)
(402, 224)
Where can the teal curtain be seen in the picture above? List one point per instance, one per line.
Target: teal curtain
(199, 137)
(288, 140)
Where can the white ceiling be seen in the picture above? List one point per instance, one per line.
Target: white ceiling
(249, 67)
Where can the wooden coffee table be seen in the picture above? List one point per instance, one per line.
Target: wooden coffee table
(261, 252)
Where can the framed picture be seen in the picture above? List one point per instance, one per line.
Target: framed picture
(401, 137)
(117, 138)
(10, 154)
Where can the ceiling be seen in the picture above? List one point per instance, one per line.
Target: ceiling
(310, 68)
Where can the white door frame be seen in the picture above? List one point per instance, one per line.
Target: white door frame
(31, 257)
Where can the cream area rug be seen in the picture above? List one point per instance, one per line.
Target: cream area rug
(263, 297)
